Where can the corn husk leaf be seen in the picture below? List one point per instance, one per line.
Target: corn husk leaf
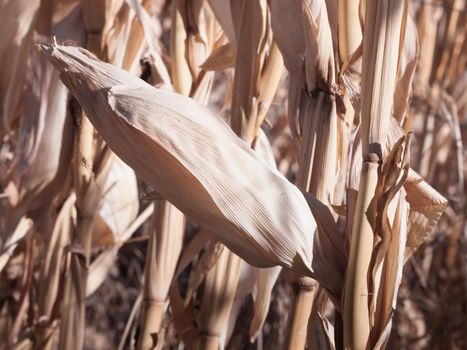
(188, 139)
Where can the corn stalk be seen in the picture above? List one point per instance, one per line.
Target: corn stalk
(382, 33)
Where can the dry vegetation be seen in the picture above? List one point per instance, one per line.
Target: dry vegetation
(233, 174)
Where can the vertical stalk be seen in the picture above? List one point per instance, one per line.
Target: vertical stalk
(318, 154)
(181, 74)
(73, 306)
(449, 39)
(304, 295)
(317, 168)
(165, 245)
(356, 298)
(50, 272)
(218, 295)
(381, 41)
(73, 303)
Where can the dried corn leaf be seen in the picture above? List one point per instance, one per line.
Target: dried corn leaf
(250, 28)
(407, 65)
(181, 74)
(118, 209)
(265, 280)
(288, 32)
(151, 38)
(51, 266)
(391, 275)
(223, 13)
(222, 58)
(205, 263)
(245, 286)
(426, 204)
(426, 207)
(44, 155)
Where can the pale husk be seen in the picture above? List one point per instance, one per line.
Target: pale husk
(283, 238)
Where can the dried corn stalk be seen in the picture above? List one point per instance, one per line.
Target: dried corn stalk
(313, 115)
(246, 119)
(165, 245)
(379, 235)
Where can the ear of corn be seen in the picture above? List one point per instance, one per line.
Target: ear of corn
(123, 104)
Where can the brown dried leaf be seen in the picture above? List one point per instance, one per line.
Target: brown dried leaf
(426, 207)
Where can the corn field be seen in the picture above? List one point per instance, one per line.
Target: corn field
(233, 174)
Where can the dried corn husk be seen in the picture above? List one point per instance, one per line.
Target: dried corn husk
(255, 281)
(283, 238)
(313, 116)
(249, 106)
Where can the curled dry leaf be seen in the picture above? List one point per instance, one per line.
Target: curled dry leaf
(426, 207)
(250, 208)
(407, 66)
(222, 58)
